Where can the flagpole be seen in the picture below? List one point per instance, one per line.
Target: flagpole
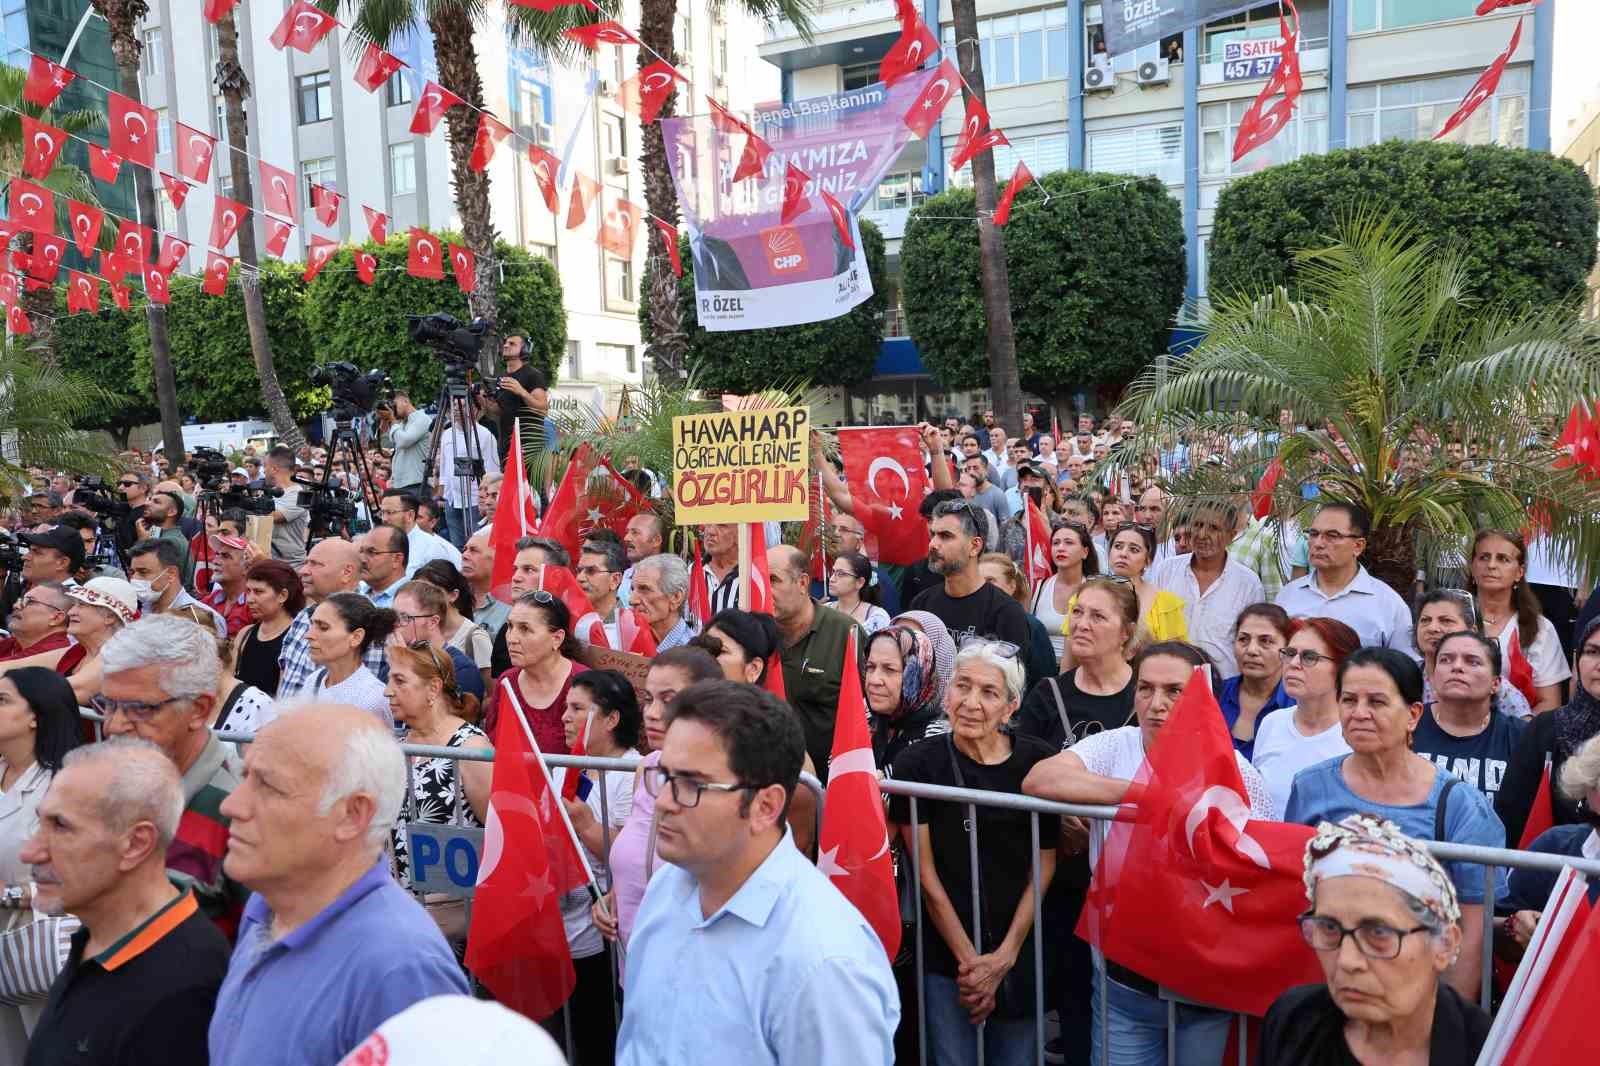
(744, 566)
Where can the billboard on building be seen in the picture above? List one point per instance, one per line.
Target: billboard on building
(1131, 24)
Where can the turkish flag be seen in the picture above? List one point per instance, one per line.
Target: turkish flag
(636, 634)
(669, 238)
(619, 228)
(699, 594)
(888, 506)
(1193, 848)
(725, 121)
(491, 131)
(753, 159)
(915, 46)
(1040, 564)
(47, 253)
(217, 268)
(760, 574)
(423, 259)
(584, 190)
(929, 105)
(226, 217)
(589, 495)
(133, 129)
(516, 942)
(1541, 815)
(172, 252)
(1262, 123)
(17, 320)
(1564, 971)
(277, 236)
(45, 81)
(562, 583)
(853, 846)
(325, 202)
(647, 92)
(795, 201)
(517, 516)
(1495, 5)
(985, 141)
(41, 143)
(194, 151)
(83, 292)
(317, 256)
(104, 164)
(375, 68)
(366, 266)
(972, 126)
(114, 266)
(33, 207)
(216, 10)
(465, 267)
(84, 221)
(278, 192)
(840, 216)
(545, 168)
(8, 288)
(436, 100)
(301, 27)
(1261, 499)
(571, 775)
(119, 293)
(1580, 443)
(377, 224)
(155, 284)
(177, 189)
(596, 34)
(1019, 177)
(1484, 87)
(1519, 671)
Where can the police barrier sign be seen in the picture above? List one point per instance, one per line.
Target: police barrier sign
(741, 466)
(444, 858)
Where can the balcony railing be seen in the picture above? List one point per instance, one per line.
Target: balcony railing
(832, 16)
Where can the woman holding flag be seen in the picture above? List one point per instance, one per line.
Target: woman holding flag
(1529, 644)
(1073, 559)
(542, 649)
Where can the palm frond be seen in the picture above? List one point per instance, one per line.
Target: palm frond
(39, 403)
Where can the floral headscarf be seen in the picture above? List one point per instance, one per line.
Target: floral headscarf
(920, 684)
(1364, 845)
(944, 648)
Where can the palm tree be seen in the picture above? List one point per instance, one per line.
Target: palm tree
(123, 18)
(1382, 354)
(39, 403)
(235, 87)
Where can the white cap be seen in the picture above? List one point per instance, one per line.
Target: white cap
(456, 1031)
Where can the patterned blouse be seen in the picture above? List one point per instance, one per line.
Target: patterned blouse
(434, 787)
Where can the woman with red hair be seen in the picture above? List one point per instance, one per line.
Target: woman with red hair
(1307, 733)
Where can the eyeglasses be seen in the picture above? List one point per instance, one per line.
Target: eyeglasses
(127, 484)
(408, 619)
(1307, 658)
(950, 507)
(1332, 536)
(686, 791)
(137, 710)
(34, 601)
(591, 571)
(1375, 940)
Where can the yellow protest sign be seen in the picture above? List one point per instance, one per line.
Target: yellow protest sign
(741, 466)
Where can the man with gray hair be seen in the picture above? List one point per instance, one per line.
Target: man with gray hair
(660, 590)
(142, 978)
(330, 945)
(160, 677)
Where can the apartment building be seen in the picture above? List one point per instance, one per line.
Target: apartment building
(1581, 144)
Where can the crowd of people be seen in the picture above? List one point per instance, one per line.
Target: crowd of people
(254, 902)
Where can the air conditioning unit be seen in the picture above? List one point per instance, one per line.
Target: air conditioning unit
(620, 164)
(544, 134)
(607, 86)
(1154, 72)
(1099, 79)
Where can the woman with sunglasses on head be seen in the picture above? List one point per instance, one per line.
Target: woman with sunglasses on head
(343, 627)
(1498, 568)
(1445, 611)
(543, 663)
(1308, 732)
(1096, 692)
(851, 582)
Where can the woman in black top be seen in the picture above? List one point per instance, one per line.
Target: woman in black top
(1097, 693)
(274, 595)
(1558, 734)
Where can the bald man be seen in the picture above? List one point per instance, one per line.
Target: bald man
(330, 946)
(332, 565)
(814, 641)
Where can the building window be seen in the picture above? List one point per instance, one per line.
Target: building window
(683, 38)
(1416, 110)
(1306, 134)
(619, 279)
(163, 131)
(619, 69)
(1145, 151)
(153, 56)
(572, 364)
(1261, 24)
(613, 136)
(397, 90)
(315, 93)
(897, 192)
(318, 172)
(530, 107)
(167, 215)
(1368, 15)
(402, 168)
(1094, 45)
(220, 106)
(858, 77)
(1043, 153)
(614, 356)
(1019, 49)
(543, 251)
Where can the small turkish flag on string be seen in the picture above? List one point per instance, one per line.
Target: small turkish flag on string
(217, 268)
(177, 189)
(301, 27)
(619, 228)
(226, 217)
(647, 92)
(119, 293)
(8, 288)
(17, 321)
(325, 202)
(114, 266)
(436, 100)
(915, 46)
(216, 10)
(155, 285)
(1019, 177)
(669, 238)
(1487, 6)
(33, 207)
(975, 122)
(929, 105)
(104, 164)
(584, 190)
(318, 254)
(84, 220)
(133, 242)
(173, 251)
(133, 129)
(45, 81)
(725, 121)
(1579, 443)
(840, 216)
(83, 292)
(465, 267)
(887, 507)
(599, 33)
(753, 159)
(41, 143)
(423, 259)
(194, 150)
(545, 168)
(1484, 87)
(491, 131)
(1262, 123)
(47, 253)
(366, 266)
(795, 201)
(377, 224)
(277, 235)
(375, 68)
(1261, 499)
(278, 193)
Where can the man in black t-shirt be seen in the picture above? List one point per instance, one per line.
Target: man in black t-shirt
(1462, 731)
(965, 603)
(523, 393)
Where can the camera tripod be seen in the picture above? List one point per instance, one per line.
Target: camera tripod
(329, 515)
(458, 412)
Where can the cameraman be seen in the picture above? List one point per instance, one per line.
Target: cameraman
(134, 487)
(461, 493)
(290, 521)
(405, 429)
(523, 393)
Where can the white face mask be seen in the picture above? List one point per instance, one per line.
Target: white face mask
(146, 591)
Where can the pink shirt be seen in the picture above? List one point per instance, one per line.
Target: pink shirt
(628, 874)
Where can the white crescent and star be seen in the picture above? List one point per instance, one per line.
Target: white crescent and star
(1222, 894)
(283, 190)
(494, 836)
(659, 80)
(1233, 808)
(37, 202)
(127, 123)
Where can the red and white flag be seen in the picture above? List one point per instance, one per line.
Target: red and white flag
(1579, 443)
(436, 100)
(647, 92)
(753, 158)
(929, 105)
(887, 484)
(278, 232)
(424, 258)
(317, 256)
(278, 192)
(973, 125)
(1484, 87)
(1261, 122)
(8, 288)
(517, 516)
(41, 143)
(589, 495)
(366, 266)
(226, 217)
(215, 10)
(795, 201)
(1543, 1018)
(562, 583)
(301, 27)
(491, 131)
(173, 250)
(17, 320)
(104, 164)
(194, 151)
(545, 168)
(1486, 6)
(1541, 815)
(155, 284)
(584, 191)
(1519, 671)
(83, 292)
(119, 293)
(133, 129)
(853, 845)
(619, 228)
(760, 573)
(596, 34)
(84, 220)
(375, 68)
(914, 47)
(840, 216)
(669, 240)
(1261, 499)
(377, 224)
(45, 81)
(177, 189)
(33, 207)
(1040, 564)
(699, 594)
(114, 266)
(47, 255)
(465, 267)
(325, 202)
(1020, 177)
(217, 268)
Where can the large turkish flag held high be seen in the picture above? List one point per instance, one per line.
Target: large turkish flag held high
(887, 484)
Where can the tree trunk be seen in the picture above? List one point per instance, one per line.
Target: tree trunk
(123, 17)
(458, 72)
(1391, 558)
(669, 344)
(1005, 391)
(235, 87)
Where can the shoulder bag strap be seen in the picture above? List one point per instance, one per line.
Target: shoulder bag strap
(1061, 711)
(1444, 799)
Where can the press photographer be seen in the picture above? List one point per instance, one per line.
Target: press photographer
(120, 516)
(405, 429)
(523, 393)
(290, 518)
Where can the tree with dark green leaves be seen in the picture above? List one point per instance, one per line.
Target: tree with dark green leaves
(1524, 222)
(97, 347)
(839, 351)
(1097, 275)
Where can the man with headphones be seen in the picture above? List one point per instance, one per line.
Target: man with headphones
(523, 393)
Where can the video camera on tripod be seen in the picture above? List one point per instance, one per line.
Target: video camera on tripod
(331, 506)
(457, 346)
(354, 393)
(210, 468)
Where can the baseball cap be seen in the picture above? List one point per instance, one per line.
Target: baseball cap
(222, 540)
(456, 1031)
(63, 539)
(241, 471)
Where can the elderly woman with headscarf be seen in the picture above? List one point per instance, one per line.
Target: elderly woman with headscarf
(944, 645)
(903, 691)
(1385, 925)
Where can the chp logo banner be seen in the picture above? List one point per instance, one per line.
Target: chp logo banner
(741, 466)
(1130, 24)
(752, 269)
